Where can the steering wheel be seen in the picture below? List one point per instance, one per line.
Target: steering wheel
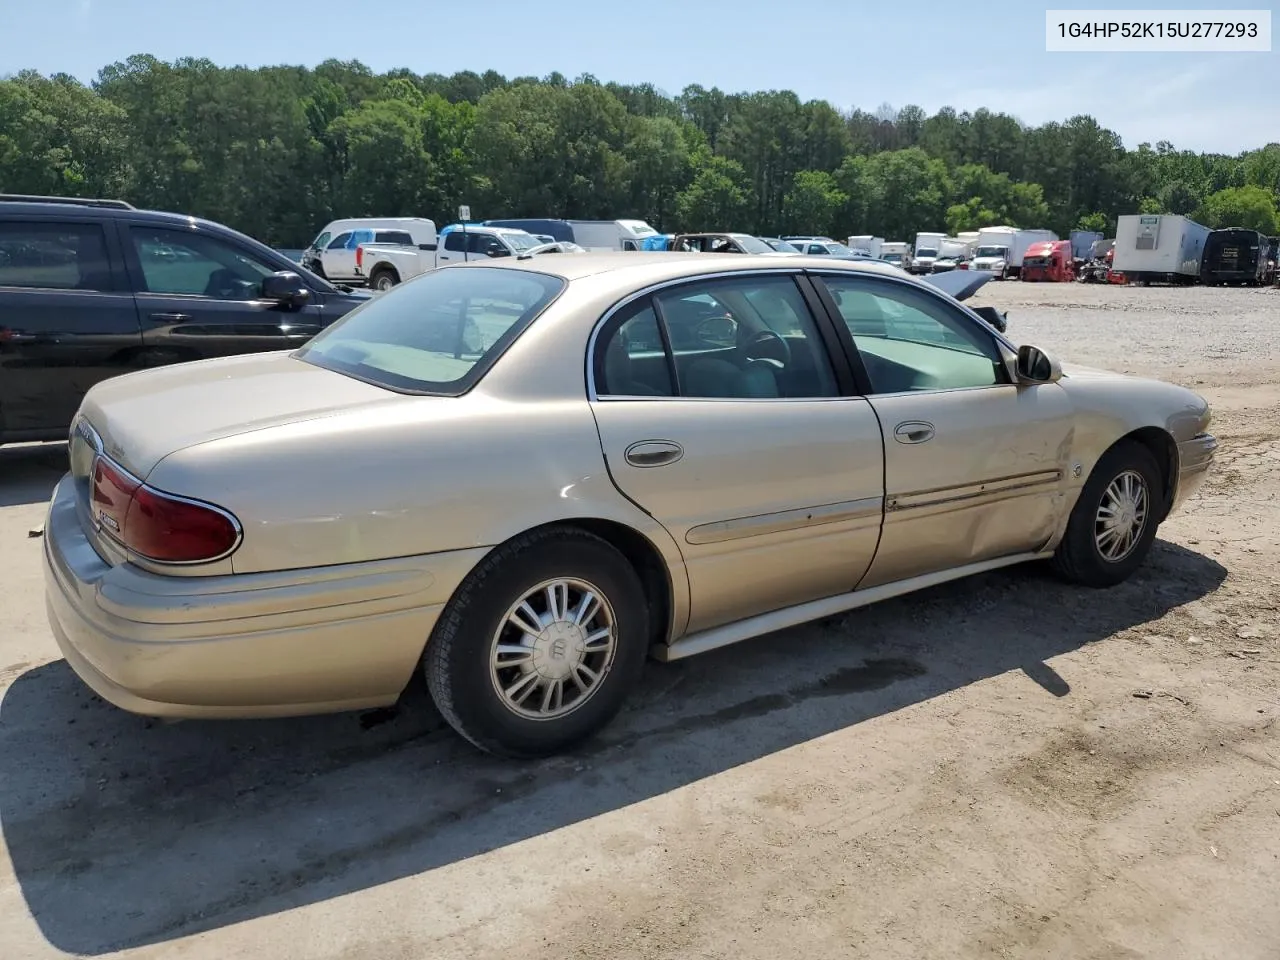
(770, 337)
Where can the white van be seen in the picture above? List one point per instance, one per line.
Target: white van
(611, 234)
(333, 253)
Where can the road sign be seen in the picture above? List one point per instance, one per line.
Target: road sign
(464, 213)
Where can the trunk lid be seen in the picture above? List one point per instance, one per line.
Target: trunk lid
(143, 417)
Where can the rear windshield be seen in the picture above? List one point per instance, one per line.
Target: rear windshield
(436, 334)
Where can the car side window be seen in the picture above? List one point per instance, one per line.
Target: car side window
(455, 241)
(910, 340)
(179, 262)
(340, 241)
(54, 256)
(394, 236)
(747, 337)
(358, 237)
(631, 360)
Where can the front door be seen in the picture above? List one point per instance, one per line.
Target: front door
(722, 415)
(339, 257)
(67, 321)
(975, 465)
(199, 296)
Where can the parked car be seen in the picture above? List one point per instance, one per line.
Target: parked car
(90, 289)
(386, 266)
(526, 518)
(332, 254)
(722, 243)
(826, 248)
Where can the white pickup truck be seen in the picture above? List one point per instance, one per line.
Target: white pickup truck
(385, 265)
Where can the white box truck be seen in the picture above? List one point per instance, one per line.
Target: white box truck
(926, 251)
(871, 246)
(1159, 248)
(896, 252)
(1001, 249)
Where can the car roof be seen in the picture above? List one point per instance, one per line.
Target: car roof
(645, 268)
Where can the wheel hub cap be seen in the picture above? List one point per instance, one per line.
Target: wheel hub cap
(1121, 517)
(553, 649)
(558, 649)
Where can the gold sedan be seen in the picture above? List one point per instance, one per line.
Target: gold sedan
(524, 476)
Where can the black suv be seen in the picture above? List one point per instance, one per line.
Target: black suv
(93, 288)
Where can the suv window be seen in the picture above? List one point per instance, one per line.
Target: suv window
(438, 334)
(911, 340)
(455, 241)
(58, 256)
(320, 241)
(738, 338)
(194, 264)
(340, 241)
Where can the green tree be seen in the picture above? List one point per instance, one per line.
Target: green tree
(1253, 208)
(719, 198)
(813, 204)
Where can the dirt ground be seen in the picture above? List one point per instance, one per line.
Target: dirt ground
(1002, 767)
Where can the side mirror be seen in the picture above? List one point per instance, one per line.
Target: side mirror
(495, 250)
(285, 287)
(1036, 366)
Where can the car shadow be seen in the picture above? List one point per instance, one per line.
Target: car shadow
(124, 831)
(30, 471)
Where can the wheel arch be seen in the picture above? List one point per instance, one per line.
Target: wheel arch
(1164, 449)
(382, 268)
(668, 606)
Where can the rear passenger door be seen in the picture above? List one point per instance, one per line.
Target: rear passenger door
(198, 296)
(67, 321)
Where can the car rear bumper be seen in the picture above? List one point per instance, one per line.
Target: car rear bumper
(1195, 457)
(313, 640)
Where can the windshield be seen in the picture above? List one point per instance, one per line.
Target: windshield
(782, 246)
(521, 241)
(991, 252)
(926, 252)
(893, 257)
(753, 244)
(839, 249)
(436, 334)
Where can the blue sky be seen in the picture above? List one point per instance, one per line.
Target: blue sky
(851, 54)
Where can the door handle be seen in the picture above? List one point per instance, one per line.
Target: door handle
(913, 431)
(171, 317)
(653, 453)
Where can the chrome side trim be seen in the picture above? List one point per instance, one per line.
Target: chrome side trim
(972, 491)
(784, 520)
(731, 633)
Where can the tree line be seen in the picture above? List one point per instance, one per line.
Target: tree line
(279, 151)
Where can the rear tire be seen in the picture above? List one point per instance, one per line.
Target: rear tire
(383, 280)
(1114, 521)
(515, 692)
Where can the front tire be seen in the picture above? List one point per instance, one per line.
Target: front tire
(539, 647)
(1113, 523)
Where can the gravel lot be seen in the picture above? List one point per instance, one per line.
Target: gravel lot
(1003, 767)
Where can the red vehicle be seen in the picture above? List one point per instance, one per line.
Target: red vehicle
(1049, 260)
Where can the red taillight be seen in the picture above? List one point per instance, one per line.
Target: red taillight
(112, 492)
(159, 526)
(359, 256)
